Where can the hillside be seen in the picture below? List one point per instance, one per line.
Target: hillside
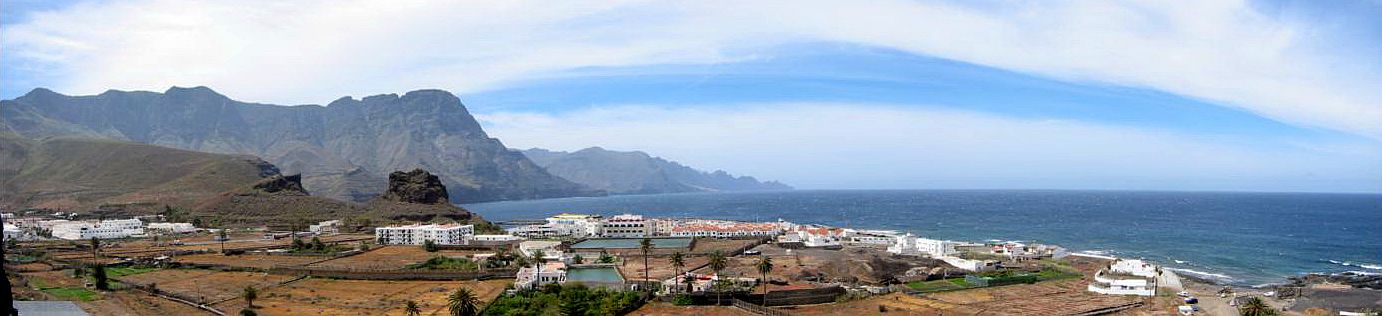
(343, 150)
(71, 173)
(636, 172)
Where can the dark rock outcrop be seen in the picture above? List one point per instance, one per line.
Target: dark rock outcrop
(417, 186)
(280, 184)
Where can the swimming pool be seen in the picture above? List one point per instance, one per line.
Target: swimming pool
(631, 243)
(598, 275)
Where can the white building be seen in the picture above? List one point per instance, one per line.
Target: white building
(626, 226)
(812, 236)
(916, 246)
(870, 237)
(495, 238)
(13, 232)
(971, 265)
(552, 272)
(109, 229)
(417, 234)
(1126, 277)
(561, 225)
(174, 228)
(548, 248)
(326, 227)
(725, 229)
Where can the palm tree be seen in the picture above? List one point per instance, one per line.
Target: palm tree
(463, 303)
(539, 260)
(411, 308)
(678, 262)
(717, 264)
(646, 246)
(248, 312)
(223, 238)
(1255, 307)
(250, 295)
(765, 265)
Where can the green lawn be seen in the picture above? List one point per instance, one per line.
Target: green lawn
(115, 272)
(70, 293)
(939, 285)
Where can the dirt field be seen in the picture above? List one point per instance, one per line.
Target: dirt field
(1045, 298)
(359, 297)
(710, 245)
(207, 285)
(138, 304)
(259, 261)
(147, 248)
(651, 309)
(661, 267)
(390, 257)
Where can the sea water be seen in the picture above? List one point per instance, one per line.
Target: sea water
(1237, 238)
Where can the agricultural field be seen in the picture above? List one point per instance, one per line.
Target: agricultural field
(148, 248)
(661, 267)
(205, 285)
(659, 308)
(316, 296)
(258, 261)
(1062, 297)
(390, 258)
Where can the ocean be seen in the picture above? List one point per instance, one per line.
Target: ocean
(1247, 239)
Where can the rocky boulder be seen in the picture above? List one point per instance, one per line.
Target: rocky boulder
(417, 186)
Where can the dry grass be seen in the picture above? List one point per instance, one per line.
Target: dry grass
(390, 257)
(669, 309)
(361, 297)
(138, 304)
(258, 261)
(205, 285)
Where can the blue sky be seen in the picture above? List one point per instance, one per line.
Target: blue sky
(1214, 95)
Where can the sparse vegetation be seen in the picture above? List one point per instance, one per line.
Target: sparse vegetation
(71, 293)
(566, 300)
(446, 263)
(430, 246)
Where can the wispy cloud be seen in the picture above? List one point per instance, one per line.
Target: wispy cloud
(879, 146)
(310, 51)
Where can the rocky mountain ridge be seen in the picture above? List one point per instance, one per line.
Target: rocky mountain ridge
(343, 150)
(636, 172)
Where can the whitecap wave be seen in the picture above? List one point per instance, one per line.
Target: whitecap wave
(1203, 274)
(1366, 273)
(1370, 266)
(1179, 261)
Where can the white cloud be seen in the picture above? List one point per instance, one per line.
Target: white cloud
(874, 146)
(312, 51)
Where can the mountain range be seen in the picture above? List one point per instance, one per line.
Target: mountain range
(343, 150)
(636, 172)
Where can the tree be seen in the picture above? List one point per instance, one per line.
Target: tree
(678, 262)
(95, 248)
(690, 283)
(605, 257)
(223, 237)
(539, 259)
(765, 265)
(317, 244)
(429, 245)
(463, 303)
(717, 264)
(250, 295)
(248, 312)
(577, 259)
(645, 246)
(197, 222)
(411, 308)
(1255, 307)
(298, 244)
(98, 272)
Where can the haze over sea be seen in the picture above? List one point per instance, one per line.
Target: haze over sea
(1238, 238)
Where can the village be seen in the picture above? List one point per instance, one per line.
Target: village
(654, 265)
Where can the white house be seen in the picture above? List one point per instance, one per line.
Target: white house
(626, 226)
(971, 265)
(417, 234)
(917, 246)
(552, 272)
(870, 237)
(326, 227)
(576, 225)
(1126, 277)
(812, 236)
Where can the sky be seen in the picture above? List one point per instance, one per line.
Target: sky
(1128, 95)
